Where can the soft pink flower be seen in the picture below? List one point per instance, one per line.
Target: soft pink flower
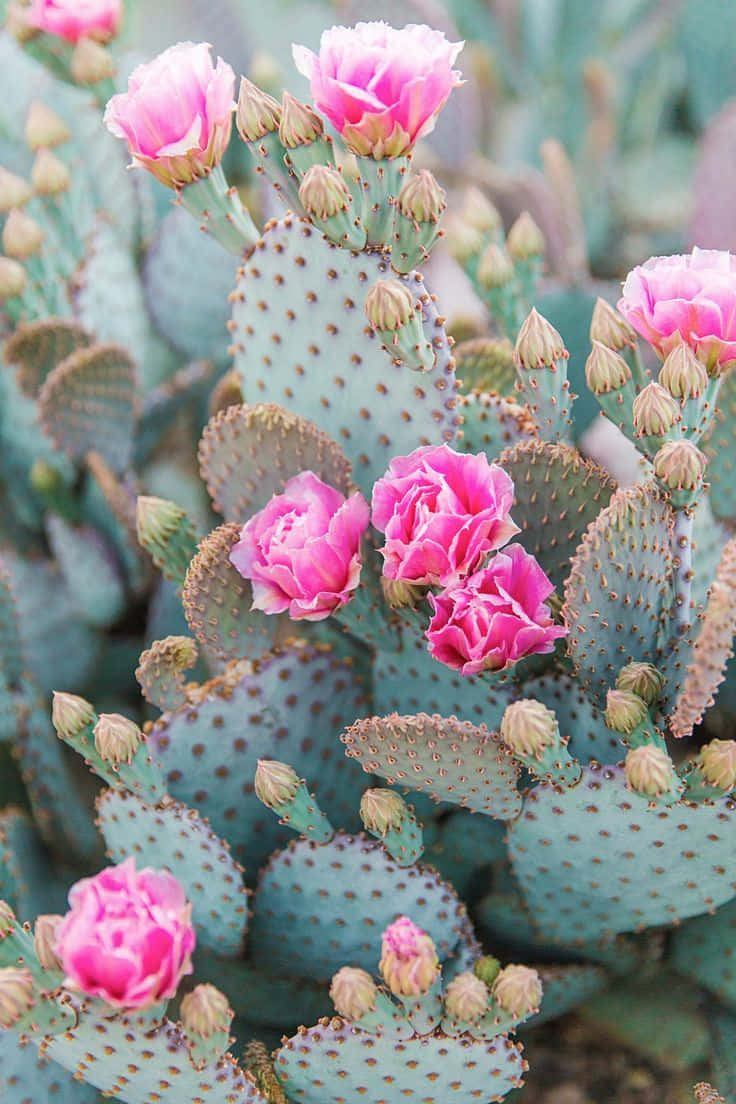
(496, 617)
(689, 298)
(73, 19)
(409, 963)
(442, 512)
(380, 87)
(128, 937)
(177, 114)
(301, 552)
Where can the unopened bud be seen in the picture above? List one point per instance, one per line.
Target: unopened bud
(258, 113)
(464, 241)
(649, 770)
(116, 738)
(718, 764)
(91, 62)
(22, 236)
(353, 993)
(479, 212)
(495, 269)
(680, 465)
(157, 519)
(70, 714)
(525, 240)
(389, 305)
(487, 968)
(625, 711)
(421, 197)
(642, 679)
(14, 191)
(518, 990)
(7, 918)
(44, 941)
(682, 374)
(276, 784)
(381, 810)
(409, 963)
(44, 127)
(399, 593)
(205, 1012)
(299, 124)
(655, 411)
(18, 24)
(13, 279)
(528, 727)
(605, 370)
(539, 343)
(49, 174)
(610, 328)
(466, 998)
(323, 192)
(16, 995)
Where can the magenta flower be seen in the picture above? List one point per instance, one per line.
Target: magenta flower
(442, 512)
(128, 937)
(301, 552)
(75, 19)
(381, 88)
(496, 617)
(177, 114)
(689, 298)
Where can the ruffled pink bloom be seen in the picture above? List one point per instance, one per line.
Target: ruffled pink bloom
(128, 937)
(380, 87)
(75, 19)
(496, 617)
(689, 298)
(301, 552)
(177, 114)
(442, 512)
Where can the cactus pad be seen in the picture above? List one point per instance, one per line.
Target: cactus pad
(703, 949)
(580, 722)
(486, 364)
(35, 348)
(492, 424)
(565, 987)
(26, 1078)
(161, 668)
(719, 449)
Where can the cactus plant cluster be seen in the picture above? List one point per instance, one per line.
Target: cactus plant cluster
(300, 822)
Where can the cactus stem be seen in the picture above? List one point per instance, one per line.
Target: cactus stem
(683, 551)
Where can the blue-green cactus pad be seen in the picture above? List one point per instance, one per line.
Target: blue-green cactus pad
(704, 949)
(719, 448)
(26, 1078)
(27, 880)
(595, 859)
(722, 1028)
(564, 987)
(492, 423)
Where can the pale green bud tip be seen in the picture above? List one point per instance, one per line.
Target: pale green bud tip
(91, 62)
(265, 70)
(44, 941)
(381, 810)
(323, 192)
(276, 784)
(610, 328)
(642, 679)
(116, 738)
(479, 212)
(718, 764)
(539, 344)
(464, 240)
(16, 995)
(157, 518)
(605, 370)
(682, 374)
(205, 1012)
(45, 478)
(299, 124)
(353, 993)
(44, 127)
(14, 191)
(518, 990)
(70, 714)
(525, 240)
(22, 236)
(421, 197)
(649, 770)
(625, 711)
(389, 305)
(7, 918)
(466, 998)
(528, 727)
(12, 278)
(495, 269)
(680, 465)
(487, 968)
(409, 963)
(258, 113)
(655, 411)
(398, 593)
(49, 174)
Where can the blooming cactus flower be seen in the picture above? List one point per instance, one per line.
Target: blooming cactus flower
(442, 512)
(75, 19)
(128, 937)
(689, 298)
(494, 618)
(409, 963)
(380, 87)
(301, 552)
(177, 114)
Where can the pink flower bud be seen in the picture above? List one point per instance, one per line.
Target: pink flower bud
(72, 19)
(409, 963)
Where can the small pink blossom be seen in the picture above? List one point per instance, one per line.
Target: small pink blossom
(177, 114)
(380, 87)
(128, 937)
(496, 617)
(442, 512)
(689, 298)
(301, 552)
(75, 19)
(409, 963)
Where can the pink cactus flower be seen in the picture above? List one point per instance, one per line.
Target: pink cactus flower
(380, 87)
(128, 937)
(409, 963)
(177, 114)
(442, 512)
(301, 552)
(75, 19)
(496, 617)
(689, 298)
